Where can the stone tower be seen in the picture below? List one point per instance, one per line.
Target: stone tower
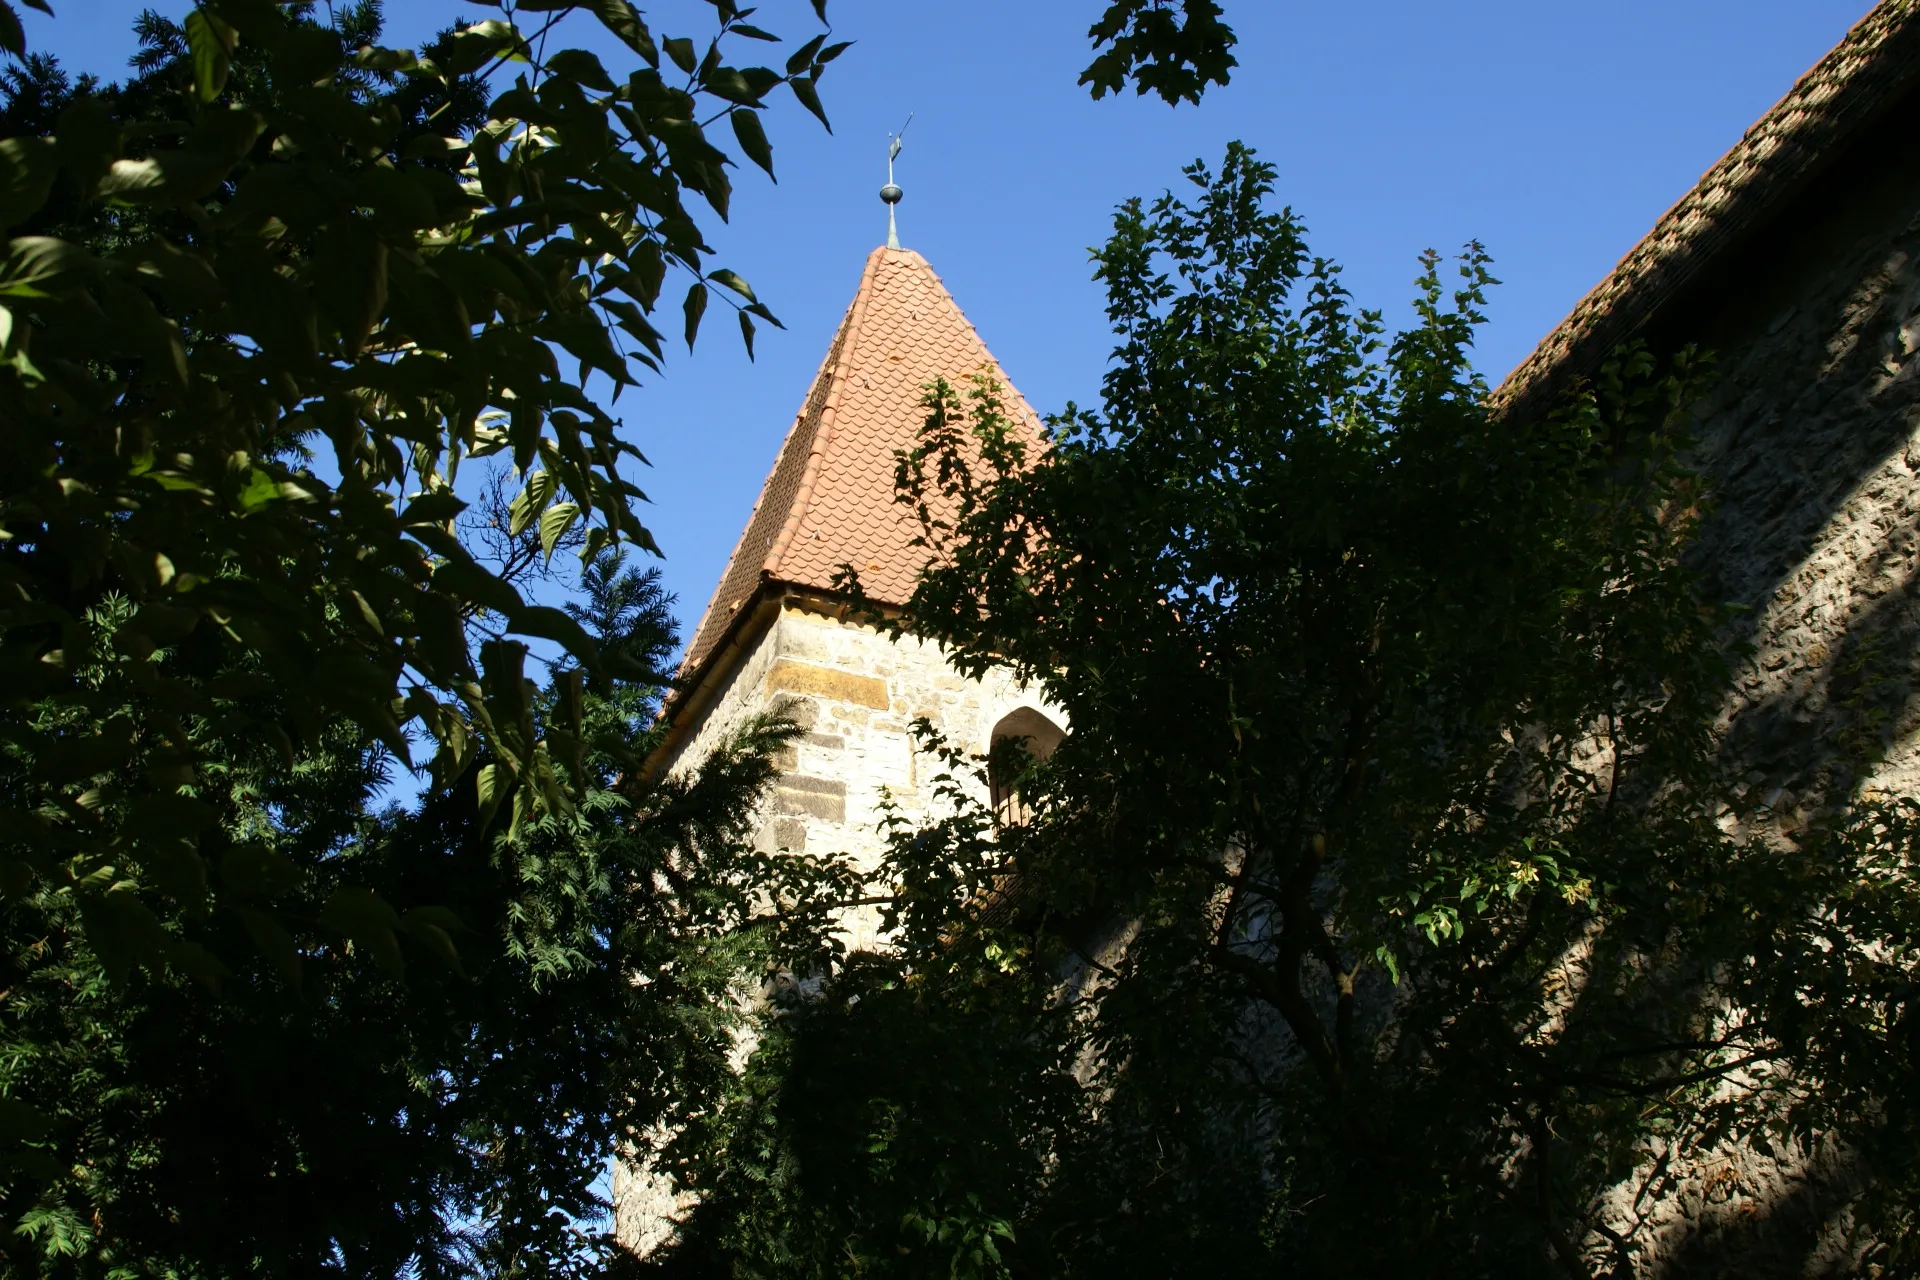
(776, 632)
(775, 629)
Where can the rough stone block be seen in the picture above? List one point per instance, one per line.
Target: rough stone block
(804, 712)
(788, 676)
(823, 798)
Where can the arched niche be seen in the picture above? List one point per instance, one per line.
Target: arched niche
(1020, 730)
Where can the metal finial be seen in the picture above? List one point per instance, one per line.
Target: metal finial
(891, 193)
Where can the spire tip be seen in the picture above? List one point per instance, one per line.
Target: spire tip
(891, 193)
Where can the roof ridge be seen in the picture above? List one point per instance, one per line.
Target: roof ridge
(823, 433)
(1774, 153)
(828, 363)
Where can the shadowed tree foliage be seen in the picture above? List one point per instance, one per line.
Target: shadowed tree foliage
(1174, 51)
(441, 1107)
(258, 304)
(262, 302)
(1384, 911)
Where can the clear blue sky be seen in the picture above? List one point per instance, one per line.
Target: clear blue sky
(1554, 132)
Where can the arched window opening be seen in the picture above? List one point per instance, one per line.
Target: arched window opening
(1022, 737)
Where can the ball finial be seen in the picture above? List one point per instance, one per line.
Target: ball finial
(891, 193)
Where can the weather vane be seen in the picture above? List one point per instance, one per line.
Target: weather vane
(892, 193)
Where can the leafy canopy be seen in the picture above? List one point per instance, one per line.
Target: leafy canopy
(1174, 55)
(1386, 910)
(258, 310)
(259, 304)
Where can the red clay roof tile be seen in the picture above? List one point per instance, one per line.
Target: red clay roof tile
(1861, 78)
(829, 499)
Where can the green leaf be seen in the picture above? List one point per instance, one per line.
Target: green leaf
(504, 680)
(401, 199)
(210, 41)
(262, 21)
(681, 51)
(491, 785)
(554, 523)
(349, 279)
(695, 307)
(163, 817)
(548, 623)
(273, 942)
(124, 932)
(433, 928)
(808, 92)
(180, 275)
(88, 140)
(733, 281)
(469, 583)
(473, 47)
(259, 491)
(436, 506)
(530, 502)
(198, 963)
(366, 917)
(731, 85)
(803, 56)
(41, 266)
(752, 136)
(223, 137)
(135, 180)
(619, 17)
(746, 332)
(27, 170)
(439, 644)
(375, 58)
(181, 175)
(581, 67)
(13, 38)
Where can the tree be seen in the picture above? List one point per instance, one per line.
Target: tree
(258, 306)
(295, 258)
(372, 1110)
(1386, 909)
(1173, 55)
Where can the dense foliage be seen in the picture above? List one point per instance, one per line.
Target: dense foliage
(360, 1114)
(1385, 911)
(305, 346)
(1175, 55)
(274, 310)
(241, 394)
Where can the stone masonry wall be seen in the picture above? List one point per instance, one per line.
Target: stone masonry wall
(1810, 436)
(1810, 439)
(858, 694)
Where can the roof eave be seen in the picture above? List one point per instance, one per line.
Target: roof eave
(693, 691)
(1855, 85)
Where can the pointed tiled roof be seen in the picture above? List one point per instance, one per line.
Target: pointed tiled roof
(1865, 76)
(829, 498)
